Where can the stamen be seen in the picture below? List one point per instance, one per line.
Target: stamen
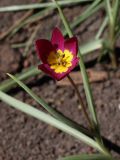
(60, 61)
(63, 56)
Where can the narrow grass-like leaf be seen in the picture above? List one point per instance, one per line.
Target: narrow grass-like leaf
(102, 27)
(30, 72)
(18, 45)
(109, 12)
(87, 157)
(35, 17)
(111, 33)
(91, 46)
(77, 21)
(92, 9)
(116, 17)
(51, 110)
(116, 9)
(39, 5)
(65, 22)
(49, 120)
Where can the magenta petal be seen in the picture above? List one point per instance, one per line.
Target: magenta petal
(75, 62)
(44, 47)
(72, 45)
(46, 68)
(57, 39)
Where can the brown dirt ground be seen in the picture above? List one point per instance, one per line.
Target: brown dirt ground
(23, 137)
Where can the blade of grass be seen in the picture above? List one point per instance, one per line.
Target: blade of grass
(16, 24)
(99, 33)
(35, 17)
(39, 5)
(30, 72)
(109, 12)
(87, 157)
(49, 120)
(51, 110)
(91, 10)
(18, 45)
(102, 27)
(19, 21)
(116, 10)
(94, 7)
(111, 33)
(91, 46)
(116, 16)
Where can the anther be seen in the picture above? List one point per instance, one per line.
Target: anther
(63, 55)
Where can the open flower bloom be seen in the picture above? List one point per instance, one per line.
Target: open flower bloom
(58, 56)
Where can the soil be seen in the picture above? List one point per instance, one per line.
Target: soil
(23, 137)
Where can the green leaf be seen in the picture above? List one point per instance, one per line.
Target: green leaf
(30, 72)
(87, 157)
(102, 27)
(91, 46)
(48, 119)
(39, 5)
(51, 110)
(116, 8)
(109, 12)
(92, 9)
(35, 17)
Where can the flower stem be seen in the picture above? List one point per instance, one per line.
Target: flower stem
(80, 101)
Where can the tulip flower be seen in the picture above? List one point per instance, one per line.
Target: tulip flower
(58, 56)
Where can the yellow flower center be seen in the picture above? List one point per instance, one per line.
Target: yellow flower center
(60, 61)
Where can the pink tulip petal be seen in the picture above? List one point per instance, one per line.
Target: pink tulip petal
(46, 68)
(57, 39)
(72, 45)
(44, 47)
